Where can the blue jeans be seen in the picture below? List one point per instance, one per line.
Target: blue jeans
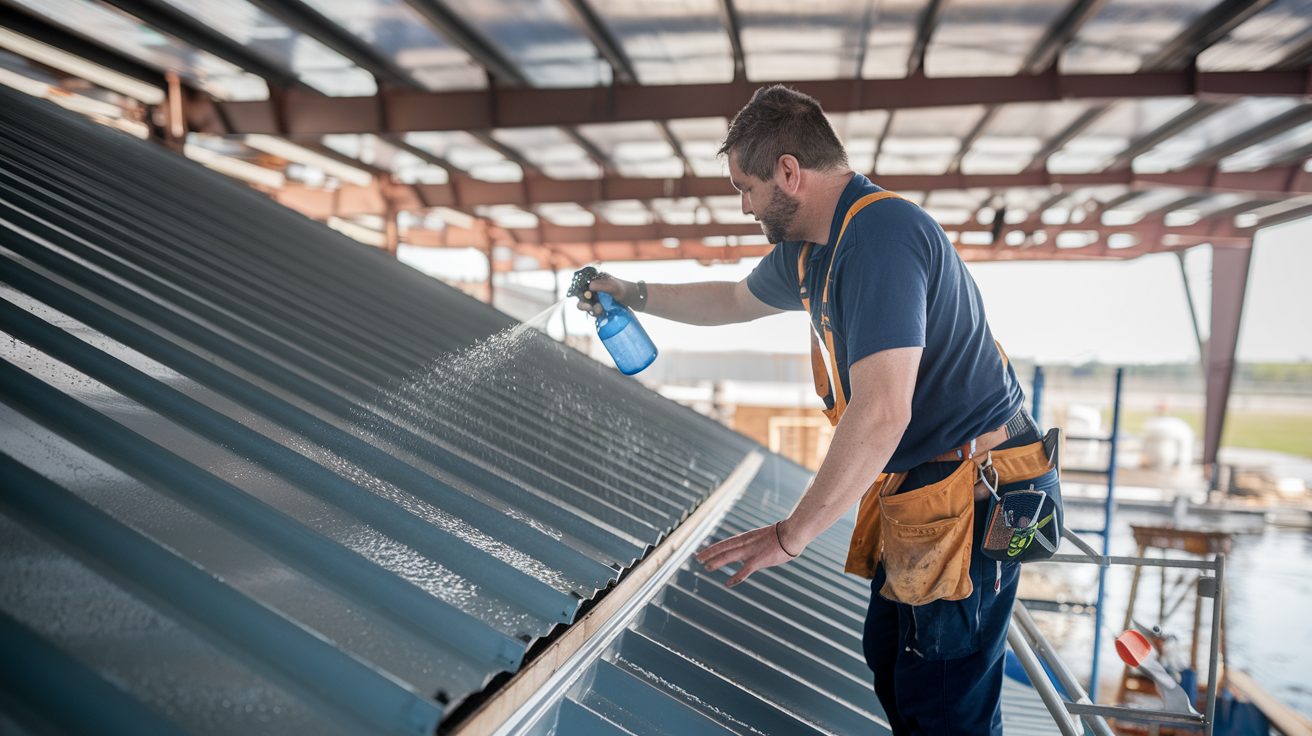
(938, 667)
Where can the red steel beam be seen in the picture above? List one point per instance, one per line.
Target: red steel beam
(464, 192)
(1151, 231)
(574, 255)
(308, 113)
(601, 232)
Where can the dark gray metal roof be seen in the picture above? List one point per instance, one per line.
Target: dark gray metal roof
(240, 494)
(778, 654)
(210, 506)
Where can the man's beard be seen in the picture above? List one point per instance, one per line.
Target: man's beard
(777, 220)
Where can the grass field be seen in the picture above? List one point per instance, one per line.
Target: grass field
(1280, 432)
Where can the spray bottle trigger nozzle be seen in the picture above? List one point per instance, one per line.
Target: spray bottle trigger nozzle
(580, 285)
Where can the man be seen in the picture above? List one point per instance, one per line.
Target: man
(918, 374)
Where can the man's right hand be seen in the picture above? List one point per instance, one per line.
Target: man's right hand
(622, 291)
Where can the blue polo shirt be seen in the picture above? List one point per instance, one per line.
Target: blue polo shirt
(898, 282)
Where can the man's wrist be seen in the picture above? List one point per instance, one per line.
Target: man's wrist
(639, 299)
(789, 539)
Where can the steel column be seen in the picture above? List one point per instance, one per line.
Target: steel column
(1229, 283)
(1193, 311)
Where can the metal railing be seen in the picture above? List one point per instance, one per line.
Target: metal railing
(1112, 441)
(1033, 651)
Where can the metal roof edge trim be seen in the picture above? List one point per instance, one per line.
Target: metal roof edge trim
(543, 681)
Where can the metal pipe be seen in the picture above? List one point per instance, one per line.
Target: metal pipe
(1132, 561)
(1148, 715)
(1109, 507)
(1213, 676)
(1056, 706)
(1084, 547)
(1021, 616)
(1036, 396)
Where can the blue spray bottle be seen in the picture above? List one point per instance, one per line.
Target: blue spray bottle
(617, 326)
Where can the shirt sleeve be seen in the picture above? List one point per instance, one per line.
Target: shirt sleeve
(774, 280)
(881, 289)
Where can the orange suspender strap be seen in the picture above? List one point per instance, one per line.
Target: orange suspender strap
(819, 372)
(824, 384)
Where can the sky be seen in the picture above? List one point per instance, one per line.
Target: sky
(1053, 312)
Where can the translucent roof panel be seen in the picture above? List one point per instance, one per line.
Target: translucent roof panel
(1023, 201)
(624, 212)
(684, 211)
(541, 37)
(950, 215)
(637, 148)
(1259, 213)
(924, 141)
(892, 34)
(1153, 200)
(955, 206)
(728, 210)
(1269, 151)
(551, 150)
(822, 39)
(125, 33)
(1181, 149)
(725, 241)
(1126, 32)
(375, 151)
(467, 153)
(507, 215)
(700, 139)
(859, 132)
(286, 48)
(967, 198)
(1213, 205)
(233, 157)
(671, 42)
(566, 214)
(1195, 211)
(1113, 131)
(1016, 133)
(1262, 40)
(399, 33)
(987, 37)
(1097, 196)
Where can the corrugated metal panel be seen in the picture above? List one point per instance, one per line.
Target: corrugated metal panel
(210, 506)
(778, 654)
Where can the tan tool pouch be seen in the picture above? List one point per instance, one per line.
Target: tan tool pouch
(927, 535)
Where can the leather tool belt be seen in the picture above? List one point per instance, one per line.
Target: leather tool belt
(924, 537)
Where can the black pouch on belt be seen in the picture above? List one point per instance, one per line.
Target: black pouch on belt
(1025, 519)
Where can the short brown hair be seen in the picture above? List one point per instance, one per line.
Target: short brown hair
(780, 120)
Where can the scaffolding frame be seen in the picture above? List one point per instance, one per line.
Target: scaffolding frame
(1033, 650)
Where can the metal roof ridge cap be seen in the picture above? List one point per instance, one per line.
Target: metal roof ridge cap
(545, 679)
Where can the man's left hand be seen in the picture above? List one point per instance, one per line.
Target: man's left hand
(756, 550)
